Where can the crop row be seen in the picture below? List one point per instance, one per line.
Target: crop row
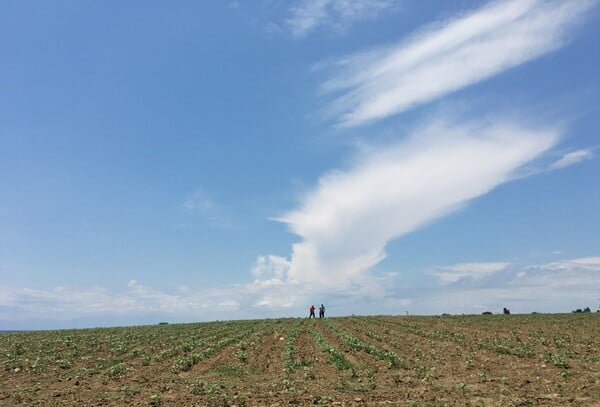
(87, 352)
(335, 355)
(389, 357)
(359, 380)
(187, 362)
(513, 344)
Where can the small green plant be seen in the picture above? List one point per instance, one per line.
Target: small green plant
(371, 379)
(558, 360)
(431, 374)
(64, 364)
(154, 399)
(321, 400)
(117, 371)
(242, 355)
(289, 385)
(199, 388)
(229, 370)
(308, 373)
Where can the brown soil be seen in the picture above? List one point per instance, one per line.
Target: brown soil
(514, 360)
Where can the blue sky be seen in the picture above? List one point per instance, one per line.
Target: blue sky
(192, 161)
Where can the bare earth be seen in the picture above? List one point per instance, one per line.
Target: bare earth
(488, 360)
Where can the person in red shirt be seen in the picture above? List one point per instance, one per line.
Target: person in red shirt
(312, 312)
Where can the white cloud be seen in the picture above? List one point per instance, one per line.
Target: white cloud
(252, 300)
(571, 158)
(269, 268)
(456, 272)
(589, 261)
(584, 263)
(145, 298)
(276, 301)
(7, 297)
(308, 15)
(271, 29)
(553, 287)
(347, 220)
(229, 305)
(198, 202)
(448, 57)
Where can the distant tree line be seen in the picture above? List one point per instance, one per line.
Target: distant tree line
(578, 310)
(506, 311)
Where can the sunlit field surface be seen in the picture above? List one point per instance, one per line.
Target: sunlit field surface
(488, 360)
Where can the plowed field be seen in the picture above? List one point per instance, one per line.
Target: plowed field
(488, 360)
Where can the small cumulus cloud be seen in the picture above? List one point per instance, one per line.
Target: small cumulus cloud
(198, 202)
(270, 268)
(446, 57)
(202, 205)
(271, 29)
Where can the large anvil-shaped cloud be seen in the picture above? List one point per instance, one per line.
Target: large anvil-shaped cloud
(347, 220)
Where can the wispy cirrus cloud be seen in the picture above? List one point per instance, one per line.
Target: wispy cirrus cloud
(338, 15)
(448, 56)
(572, 158)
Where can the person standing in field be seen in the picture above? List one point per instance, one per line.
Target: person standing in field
(322, 311)
(312, 312)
